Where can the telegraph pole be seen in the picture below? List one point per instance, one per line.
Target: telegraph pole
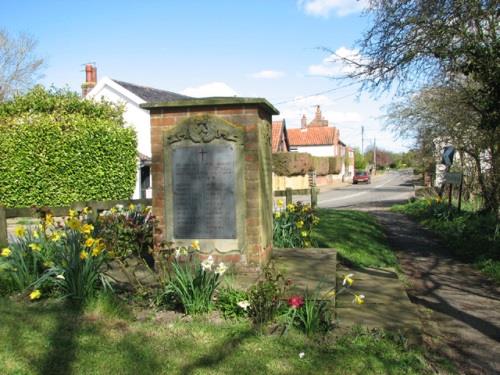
(375, 154)
(362, 140)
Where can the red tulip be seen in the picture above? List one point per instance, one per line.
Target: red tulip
(295, 302)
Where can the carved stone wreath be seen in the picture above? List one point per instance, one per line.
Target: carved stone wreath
(204, 129)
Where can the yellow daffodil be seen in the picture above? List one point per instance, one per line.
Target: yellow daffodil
(86, 210)
(315, 220)
(36, 234)
(89, 242)
(306, 208)
(277, 215)
(83, 255)
(290, 207)
(307, 244)
(195, 245)
(56, 236)
(348, 279)
(113, 210)
(72, 213)
(87, 228)
(299, 224)
(35, 246)
(304, 233)
(359, 299)
(147, 209)
(131, 207)
(36, 294)
(279, 202)
(96, 251)
(49, 219)
(330, 294)
(73, 223)
(6, 252)
(48, 264)
(20, 231)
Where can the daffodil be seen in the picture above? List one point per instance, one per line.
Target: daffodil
(35, 246)
(299, 224)
(244, 305)
(279, 202)
(307, 244)
(73, 223)
(290, 207)
(20, 231)
(304, 233)
(87, 228)
(60, 277)
(131, 207)
(277, 215)
(89, 242)
(83, 255)
(96, 251)
(207, 263)
(348, 279)
(6, 252)
(49, 219)
(113, 210)
(56, 236)
(195, 245)
(72, 213)
(36, 234)
(86, 210)
(315, 220)
(36, 294)
(330, 294)
(359, 299)
(221, 269)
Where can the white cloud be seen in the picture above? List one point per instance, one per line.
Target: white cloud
(323, 8)
(333, 65)
(210, 89)
(268, 74)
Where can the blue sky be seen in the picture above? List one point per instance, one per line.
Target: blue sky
(261, 48)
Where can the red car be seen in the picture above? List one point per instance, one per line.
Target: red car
(361, 176)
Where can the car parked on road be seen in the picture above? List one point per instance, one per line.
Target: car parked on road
(361, 176)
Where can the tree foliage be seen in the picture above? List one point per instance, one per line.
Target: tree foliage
(58, 148)
(19, 67)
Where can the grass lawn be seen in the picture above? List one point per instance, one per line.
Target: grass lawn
(48, 337)
(357, 237)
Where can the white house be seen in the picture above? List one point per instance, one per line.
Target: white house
(131, 96)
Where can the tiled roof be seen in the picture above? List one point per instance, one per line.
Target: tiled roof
(150, 94)
(313, 136)
(276, 135)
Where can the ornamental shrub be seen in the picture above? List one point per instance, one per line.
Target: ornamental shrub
(292, 163)
(335, 164)
(321, 165)
(58, 148)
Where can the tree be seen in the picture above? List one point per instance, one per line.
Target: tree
(19, 67)
(359, 160)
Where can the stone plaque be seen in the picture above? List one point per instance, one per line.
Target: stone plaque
(203, 184)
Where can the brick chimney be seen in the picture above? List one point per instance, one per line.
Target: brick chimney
(303, 122)
(90, 79)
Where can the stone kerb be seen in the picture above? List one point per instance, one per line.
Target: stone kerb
(217, 128)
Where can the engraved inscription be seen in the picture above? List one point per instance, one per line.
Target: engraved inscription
(203, 181)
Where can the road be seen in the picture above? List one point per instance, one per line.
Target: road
(385, 190)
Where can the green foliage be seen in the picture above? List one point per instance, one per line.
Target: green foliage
(315, 315)
(292, 163)
(127, 232)
(58, 148)
(293, 226)
(229, 302)
(334, 164)
(265, 296)
(321, 165)
(193, 284)
(472, 236)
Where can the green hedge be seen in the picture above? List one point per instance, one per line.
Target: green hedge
(57, 149)
(292, 163)
(335, 164)
(321, 165)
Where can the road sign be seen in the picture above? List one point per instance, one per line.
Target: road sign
(448, 153)
(453, 178)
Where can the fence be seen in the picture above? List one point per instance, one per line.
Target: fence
(288, 193)
(96, 206)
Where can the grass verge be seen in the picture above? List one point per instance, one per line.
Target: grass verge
(50, 337)
(358, 238)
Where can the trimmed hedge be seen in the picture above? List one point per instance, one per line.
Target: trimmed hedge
(292, 163)
(335, 164)
(321, 165)
(57, 148)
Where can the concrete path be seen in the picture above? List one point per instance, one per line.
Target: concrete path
(459, 308)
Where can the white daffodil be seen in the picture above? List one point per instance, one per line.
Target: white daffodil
(60, 277)
(119, 207)
(207, 263)
(177, 253)
(359, 299)
(221, 269)
(348, 279)
(244, 305)
(301, 355)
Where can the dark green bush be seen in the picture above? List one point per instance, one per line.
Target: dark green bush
(58, 148)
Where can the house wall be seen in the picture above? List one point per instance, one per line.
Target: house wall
(328, 150)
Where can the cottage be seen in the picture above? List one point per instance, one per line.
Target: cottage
(131, 96)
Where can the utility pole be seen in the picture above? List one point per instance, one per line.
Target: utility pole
(375, 154)
(362, 140)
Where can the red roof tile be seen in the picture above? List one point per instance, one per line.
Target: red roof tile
(278, 132)
(313, 136)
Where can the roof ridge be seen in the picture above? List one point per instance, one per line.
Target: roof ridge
(147, 87)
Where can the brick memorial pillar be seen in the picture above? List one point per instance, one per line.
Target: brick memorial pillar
(212, 177)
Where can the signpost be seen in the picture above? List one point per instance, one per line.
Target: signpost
(454, 179)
